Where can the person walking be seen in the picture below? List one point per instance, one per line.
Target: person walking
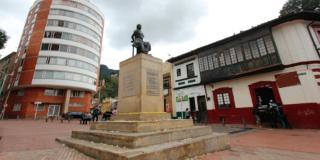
(114, 111)
(255, 113)
(85, 118)
(95, 114)
(187, 113)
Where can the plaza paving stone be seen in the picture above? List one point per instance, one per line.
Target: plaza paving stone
(35, 140)
(271, 144)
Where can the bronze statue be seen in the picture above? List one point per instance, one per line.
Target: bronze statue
(137, 41)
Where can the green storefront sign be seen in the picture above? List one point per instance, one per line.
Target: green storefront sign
(182, 98)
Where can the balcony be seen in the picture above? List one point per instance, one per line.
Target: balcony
(262, 64)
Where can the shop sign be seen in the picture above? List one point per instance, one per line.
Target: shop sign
(182, 98)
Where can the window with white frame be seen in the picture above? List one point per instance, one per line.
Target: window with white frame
(254, 49)
(190, 70)
(247, 52)
(215, 60)
(233, 55)
(75, 104)
(77, 94)
(223, 100)
(201, 67)
(239, 53)
(16, 107)
(261, 46)
(210, 62)
(54, 92)
(40, 107)
(205, 63)
(227, 57)
(221, 59)
(57, 75)
(269, 44)
(178, 72)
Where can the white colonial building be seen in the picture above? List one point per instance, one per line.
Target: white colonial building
(278, 60)
(188, 90)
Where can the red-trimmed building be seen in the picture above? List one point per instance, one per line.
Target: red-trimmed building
(58, 59)
(278, 60)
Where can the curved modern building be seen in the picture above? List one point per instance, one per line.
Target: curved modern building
(58, 59)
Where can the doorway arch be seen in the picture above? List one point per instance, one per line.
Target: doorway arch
(272, 86)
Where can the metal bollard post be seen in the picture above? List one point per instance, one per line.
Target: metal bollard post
(244, 123)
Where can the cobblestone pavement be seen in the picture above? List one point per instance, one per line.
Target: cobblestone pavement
(35, 140)
(271, 144)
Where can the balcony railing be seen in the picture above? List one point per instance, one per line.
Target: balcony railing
(262, 64)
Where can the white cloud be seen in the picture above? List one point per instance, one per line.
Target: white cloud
(172, 26)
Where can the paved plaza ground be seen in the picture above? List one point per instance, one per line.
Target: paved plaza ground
(35, 140)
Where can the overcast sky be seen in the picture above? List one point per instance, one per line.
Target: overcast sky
(173, 27)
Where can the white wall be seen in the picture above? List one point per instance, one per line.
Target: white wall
(240, 89)
(194, 91)
(64, 83)
(307, 92)
(183, 68)
(293, 42)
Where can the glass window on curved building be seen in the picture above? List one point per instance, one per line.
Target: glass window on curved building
(69, 49)
(59, 75)
(54, 92)
(79, 6)
(72, 37)
(67, 62)
(74, 26)
(76, 15)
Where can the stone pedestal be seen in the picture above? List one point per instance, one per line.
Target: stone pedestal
(141, 130)
(140, 89)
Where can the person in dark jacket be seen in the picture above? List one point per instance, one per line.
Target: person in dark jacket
(187, 113)
(95, 114)
(85, 118)
(273, 112)
(106, 115)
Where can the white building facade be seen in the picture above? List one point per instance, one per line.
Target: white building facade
(278, 60)
(188, 92)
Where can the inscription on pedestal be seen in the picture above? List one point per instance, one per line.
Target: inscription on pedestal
(153, 83)
(129, 87)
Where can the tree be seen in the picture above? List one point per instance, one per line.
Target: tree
(3, 38)
(110, 88)
(296, 6)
